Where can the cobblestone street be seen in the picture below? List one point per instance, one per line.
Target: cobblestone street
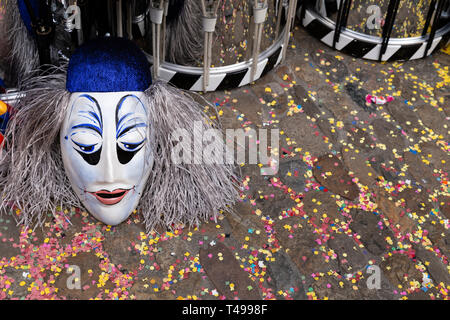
(361, 195)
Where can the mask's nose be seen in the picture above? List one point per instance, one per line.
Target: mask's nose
(108, 159)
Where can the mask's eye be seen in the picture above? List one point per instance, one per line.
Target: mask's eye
(130, 140)
(88, 146)
(126, 150)
(131, 147)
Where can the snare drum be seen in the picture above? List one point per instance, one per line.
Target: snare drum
(383, 30)
(226, 43)
(199, 45)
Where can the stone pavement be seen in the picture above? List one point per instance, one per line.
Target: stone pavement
(359, 208)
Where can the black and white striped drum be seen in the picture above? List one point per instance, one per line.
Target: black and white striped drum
(383, 30)
(212, 45)
(199, 45)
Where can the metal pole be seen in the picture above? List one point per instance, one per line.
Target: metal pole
(259, 16)
(156, 17)
(209, 24)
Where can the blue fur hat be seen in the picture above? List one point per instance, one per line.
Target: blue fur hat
(108, 65)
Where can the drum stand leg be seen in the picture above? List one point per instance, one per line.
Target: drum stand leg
(156, 17)
(209, 24)
(259, 17)
(291, 15)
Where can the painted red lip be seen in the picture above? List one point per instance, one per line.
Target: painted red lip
(110, 197)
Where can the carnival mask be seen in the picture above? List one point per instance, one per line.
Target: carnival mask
(105, 134)
(99, 136)
(105, 150)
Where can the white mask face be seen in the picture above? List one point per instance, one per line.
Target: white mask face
(105, 150)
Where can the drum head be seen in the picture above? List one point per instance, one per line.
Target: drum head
(232, 38)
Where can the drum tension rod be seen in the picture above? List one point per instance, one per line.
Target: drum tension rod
(429, 16)
(259, 17)
(209, 19)
(341, 22)
(388, 26)
(434, 26)
(156, 17)
(278, 10)
(289, 23)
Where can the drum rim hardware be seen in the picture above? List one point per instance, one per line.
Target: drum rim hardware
(209, 19)
(241, 73)
(385, 48)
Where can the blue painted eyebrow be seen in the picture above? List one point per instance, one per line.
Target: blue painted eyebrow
(89, 126)
(97, 116)
(119, 105)
(137, 125)
(120, 131)
(121, 119)
(91, 116)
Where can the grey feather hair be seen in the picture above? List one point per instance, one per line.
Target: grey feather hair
(184, 193)
(23, 57)
(184, 36)
(34, 180)
(32, 168)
